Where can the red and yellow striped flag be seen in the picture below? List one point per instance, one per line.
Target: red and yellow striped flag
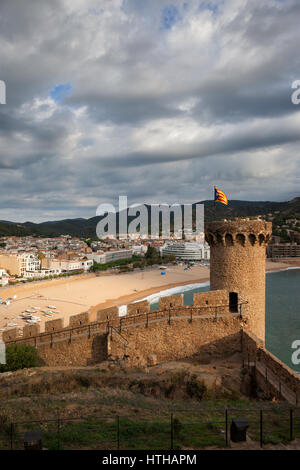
(220, 196)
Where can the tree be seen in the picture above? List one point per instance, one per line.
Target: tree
(19, 356)
(151, 252)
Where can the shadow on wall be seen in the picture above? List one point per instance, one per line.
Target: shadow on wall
(98, 350)
(143, 354)
(221, 348)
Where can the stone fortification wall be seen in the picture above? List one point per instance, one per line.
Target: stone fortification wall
(181, 330)
(203, 338)
(271, 375)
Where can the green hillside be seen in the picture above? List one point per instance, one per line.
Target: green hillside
(87, 227)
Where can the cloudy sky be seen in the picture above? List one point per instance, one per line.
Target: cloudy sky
(157, 100)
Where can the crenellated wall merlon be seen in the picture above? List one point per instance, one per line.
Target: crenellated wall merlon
(211, 298)
(138, 307)
(80, 319)
(54, 325)
(10, 335)
(173, 301)
(110, 313)
(31, 330)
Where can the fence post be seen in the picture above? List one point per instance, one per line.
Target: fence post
(191, 317)
(279, 389)
(118, 432)
(58, 433)
(172, 431)
(226, 426)
(169, 320)
(147, 320)
(291, 424)
(11, 436)
(261, 427)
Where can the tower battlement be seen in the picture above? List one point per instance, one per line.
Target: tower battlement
(238, 232)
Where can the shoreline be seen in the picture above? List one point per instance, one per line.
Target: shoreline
(130, 298)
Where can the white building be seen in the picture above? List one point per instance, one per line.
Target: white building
(139, 249)
(86, 264)
(106, 257)
(41, 273)
(32, 262)
(66, 265)
(187, 251)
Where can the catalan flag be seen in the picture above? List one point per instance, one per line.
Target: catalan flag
(220, 196)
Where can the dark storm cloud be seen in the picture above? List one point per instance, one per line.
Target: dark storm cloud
(165, 99)
(124, 109)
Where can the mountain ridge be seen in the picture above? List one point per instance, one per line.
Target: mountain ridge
(84, 228)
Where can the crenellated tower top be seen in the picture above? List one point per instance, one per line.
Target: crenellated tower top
(243, 232)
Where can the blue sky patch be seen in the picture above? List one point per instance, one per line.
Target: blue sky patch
(211, 5)
(170, 16)
(60, 92)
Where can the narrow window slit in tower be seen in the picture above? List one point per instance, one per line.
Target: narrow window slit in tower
(233, 302)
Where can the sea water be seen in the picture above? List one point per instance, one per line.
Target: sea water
(283, 314)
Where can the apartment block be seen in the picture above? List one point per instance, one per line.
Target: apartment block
(108, 256)
(18, 264)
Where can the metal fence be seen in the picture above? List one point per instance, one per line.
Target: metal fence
(180, 429)
(272, 381)
(189, 312)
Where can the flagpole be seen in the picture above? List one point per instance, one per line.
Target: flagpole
(215, 196)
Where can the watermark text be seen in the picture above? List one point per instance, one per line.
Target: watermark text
(150, 221)
(296, 94)
(2, 353)
(2, 92)
(296, 354)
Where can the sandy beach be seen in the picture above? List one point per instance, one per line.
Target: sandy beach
(91, 293)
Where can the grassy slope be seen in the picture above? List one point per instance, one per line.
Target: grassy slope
(92, 404)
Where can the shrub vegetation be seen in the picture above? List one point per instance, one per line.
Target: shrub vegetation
(19, 356)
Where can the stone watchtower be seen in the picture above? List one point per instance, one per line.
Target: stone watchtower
(237, 264)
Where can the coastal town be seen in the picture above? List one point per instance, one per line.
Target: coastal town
(24, 259)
